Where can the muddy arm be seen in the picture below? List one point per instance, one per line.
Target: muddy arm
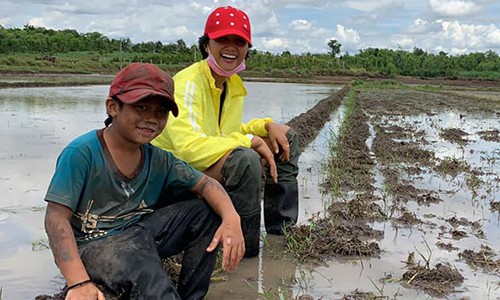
(229, 233)
(63, 244)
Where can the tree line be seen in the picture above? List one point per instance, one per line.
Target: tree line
(385, 62)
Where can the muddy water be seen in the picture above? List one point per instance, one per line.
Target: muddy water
(459, 201)
(35, 124)
(270, 274)
(381, 275)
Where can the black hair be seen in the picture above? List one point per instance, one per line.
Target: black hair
(109, 119)
(203, 42)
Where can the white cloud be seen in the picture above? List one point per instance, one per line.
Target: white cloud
(275, 44)
(457, 34)
(347, 36)
(368, 5)
(439, 49)
(299, 3)
(493, 36)
(301, 25)
(453, 8)
(37, 22)
(402, 41)
(459, 38)
(420, 26)
(457, 51)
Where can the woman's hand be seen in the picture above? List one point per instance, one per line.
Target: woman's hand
(260, 146)
(278, 139)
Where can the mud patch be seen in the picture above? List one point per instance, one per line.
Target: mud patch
(437, 281)
(308, 124)
(407, 219)
(449, 247)
(358, 295)
(323, 240)
(452, 166)
(454, 135)
(495, 206)
(490, 135)
(484, 258)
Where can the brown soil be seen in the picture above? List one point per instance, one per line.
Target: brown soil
(495, 205)
(51, 80)
(437, 281)
(309, 124)
(485, 259)
(47, 80)
(491, 135)
(344, 80)
(454, 135)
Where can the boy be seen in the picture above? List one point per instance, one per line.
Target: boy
(104, 220)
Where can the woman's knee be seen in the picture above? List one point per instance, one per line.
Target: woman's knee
(242, 165)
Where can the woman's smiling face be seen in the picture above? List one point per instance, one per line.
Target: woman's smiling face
(229, 51)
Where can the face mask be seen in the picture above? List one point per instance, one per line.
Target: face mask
(220, 71)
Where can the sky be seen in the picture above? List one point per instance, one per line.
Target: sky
(298, 26)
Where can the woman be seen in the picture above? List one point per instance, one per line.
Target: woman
(209, 133)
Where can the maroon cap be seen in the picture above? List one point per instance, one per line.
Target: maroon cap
(139, 80)
(226, 20)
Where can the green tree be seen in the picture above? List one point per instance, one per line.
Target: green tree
(181, 46)
(334, 46)
(158, 47)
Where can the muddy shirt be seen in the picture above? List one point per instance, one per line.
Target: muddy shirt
(102, 199)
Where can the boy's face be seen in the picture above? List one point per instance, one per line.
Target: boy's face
(139, 122)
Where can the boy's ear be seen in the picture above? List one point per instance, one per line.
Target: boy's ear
(112, 107)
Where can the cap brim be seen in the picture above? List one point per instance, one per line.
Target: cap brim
(221, 33)
(139, 94)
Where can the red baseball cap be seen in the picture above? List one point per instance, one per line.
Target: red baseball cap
(139, 80)
(226, 20)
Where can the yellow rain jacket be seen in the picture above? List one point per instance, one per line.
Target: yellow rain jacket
(195, 136)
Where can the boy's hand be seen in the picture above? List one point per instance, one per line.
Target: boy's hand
(84, 292)
(230, 236)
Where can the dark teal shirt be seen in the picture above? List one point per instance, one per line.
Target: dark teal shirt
(102, 199)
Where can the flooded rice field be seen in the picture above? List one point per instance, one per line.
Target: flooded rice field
(36, 123)
(399, 192)
(415, 194)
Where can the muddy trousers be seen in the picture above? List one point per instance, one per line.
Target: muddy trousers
(129, 263)
(242, 177)
(281, 200)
